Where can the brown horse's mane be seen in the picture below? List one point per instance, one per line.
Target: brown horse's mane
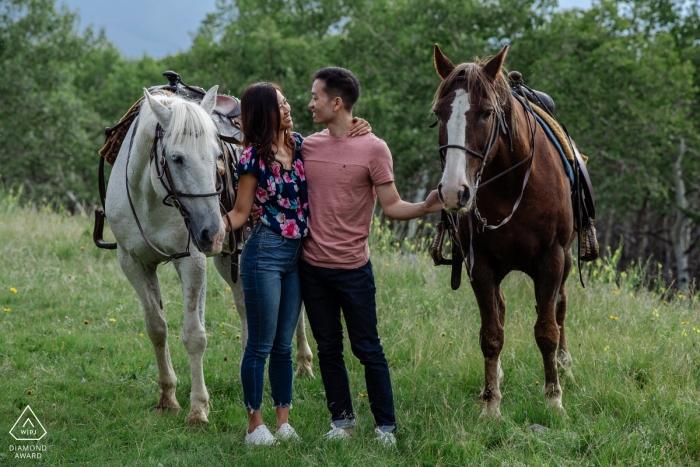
(471, 77)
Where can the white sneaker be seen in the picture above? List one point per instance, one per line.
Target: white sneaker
(336, 433)
(386, 439)
(260, 436)
(287, 433)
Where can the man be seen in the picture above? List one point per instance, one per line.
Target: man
(345, 177)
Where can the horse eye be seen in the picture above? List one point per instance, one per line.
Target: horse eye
(178, 159)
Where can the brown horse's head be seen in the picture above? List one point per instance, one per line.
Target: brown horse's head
(468, 105)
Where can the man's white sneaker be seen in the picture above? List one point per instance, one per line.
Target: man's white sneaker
(287, 433)
(385, 438)
(336, 433)
(260, 436)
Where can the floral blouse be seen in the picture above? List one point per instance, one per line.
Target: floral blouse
(281, 195)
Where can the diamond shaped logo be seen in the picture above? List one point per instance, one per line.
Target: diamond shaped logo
(28, 427)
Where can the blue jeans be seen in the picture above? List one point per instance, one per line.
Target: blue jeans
(327, 291)
(270, 276)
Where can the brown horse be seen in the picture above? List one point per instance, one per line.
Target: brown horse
(484, 131)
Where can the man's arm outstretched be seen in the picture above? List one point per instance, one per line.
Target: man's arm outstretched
(397, 209)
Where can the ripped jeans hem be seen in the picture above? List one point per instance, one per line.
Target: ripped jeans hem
(283, 406)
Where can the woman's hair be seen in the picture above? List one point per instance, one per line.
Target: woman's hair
(260, 118)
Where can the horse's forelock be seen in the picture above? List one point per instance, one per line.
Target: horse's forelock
(191, 129)
(471, 78)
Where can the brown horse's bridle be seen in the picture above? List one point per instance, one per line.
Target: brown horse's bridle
(498, 123)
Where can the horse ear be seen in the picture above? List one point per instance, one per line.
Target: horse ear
(209, 101)
(443, 65)
(162, 113)
(493, 67)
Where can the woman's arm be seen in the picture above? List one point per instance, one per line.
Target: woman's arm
(247, 185)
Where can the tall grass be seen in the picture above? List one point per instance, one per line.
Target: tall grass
(73, 346)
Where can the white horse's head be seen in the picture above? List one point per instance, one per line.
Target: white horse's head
(190, 146)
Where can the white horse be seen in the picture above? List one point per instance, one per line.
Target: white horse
(189, 146)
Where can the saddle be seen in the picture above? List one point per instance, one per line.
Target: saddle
(225, 115)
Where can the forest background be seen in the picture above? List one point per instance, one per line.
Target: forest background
(625, 77)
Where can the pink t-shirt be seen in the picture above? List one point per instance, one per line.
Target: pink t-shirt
(341, 174)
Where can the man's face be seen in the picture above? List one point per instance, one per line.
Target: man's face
(321, 104)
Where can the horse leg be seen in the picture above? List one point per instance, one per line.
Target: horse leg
(304, 355)
(547, 286)
(145, 281)
(564, 360)
(193, 275)
(492, 307)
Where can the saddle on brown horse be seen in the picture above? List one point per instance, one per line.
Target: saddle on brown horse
(226, 117)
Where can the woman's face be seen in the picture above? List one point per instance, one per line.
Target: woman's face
(285, 112)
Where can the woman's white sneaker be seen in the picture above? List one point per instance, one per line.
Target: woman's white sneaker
(287, 433)
(260, 436)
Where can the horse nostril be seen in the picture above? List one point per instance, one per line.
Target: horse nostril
(440, 193)
(465, 195)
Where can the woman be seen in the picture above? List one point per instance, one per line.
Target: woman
(271, 175)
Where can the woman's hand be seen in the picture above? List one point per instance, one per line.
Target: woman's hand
(359, 127)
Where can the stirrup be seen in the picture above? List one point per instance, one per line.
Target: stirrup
(589, 243)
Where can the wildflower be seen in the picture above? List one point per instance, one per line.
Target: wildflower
(386, 264)
(685, 322)
(632, 294)
(29, 392)
(537, 383)
(13, 290)
(223, 333)
(655, 313)
(665, 303)
(102, 347)
(606, 348)
(6, 310)
(228, 289)
(221, 325)
(684, 333)
(614, 318)
(449, 343)
(443, 334)
(82, 380)
(82, 248)
(616, 292)
(363, 394)
(86, 322)
(140, 334)
(238, 336)
(177, 337)
(112, 320)
(681, 296)
(415, 324)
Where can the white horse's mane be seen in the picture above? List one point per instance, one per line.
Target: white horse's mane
(191, 130)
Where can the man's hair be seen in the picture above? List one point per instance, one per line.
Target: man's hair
(340, 82)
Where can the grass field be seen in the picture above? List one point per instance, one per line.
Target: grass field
(73, 346)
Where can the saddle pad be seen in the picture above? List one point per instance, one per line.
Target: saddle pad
(558, 136)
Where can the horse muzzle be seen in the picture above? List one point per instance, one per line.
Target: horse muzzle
(455, 199)
(209, 237)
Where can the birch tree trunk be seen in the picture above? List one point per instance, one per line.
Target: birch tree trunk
(680, 232)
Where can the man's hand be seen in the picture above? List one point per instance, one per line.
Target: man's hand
(432, 203)
(359, 127)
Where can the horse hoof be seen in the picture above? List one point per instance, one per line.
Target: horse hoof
(305, 369)
(491, 413)
(554, 404)
(166, 404)
(196, 418)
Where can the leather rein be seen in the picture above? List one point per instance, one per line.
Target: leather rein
(498, 123)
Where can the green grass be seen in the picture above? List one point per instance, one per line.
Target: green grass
(634, 400)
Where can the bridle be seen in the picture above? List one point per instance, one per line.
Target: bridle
(172, 197)
(499, 122)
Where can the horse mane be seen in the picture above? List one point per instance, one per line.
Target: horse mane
(474, 81)
(191, 130)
